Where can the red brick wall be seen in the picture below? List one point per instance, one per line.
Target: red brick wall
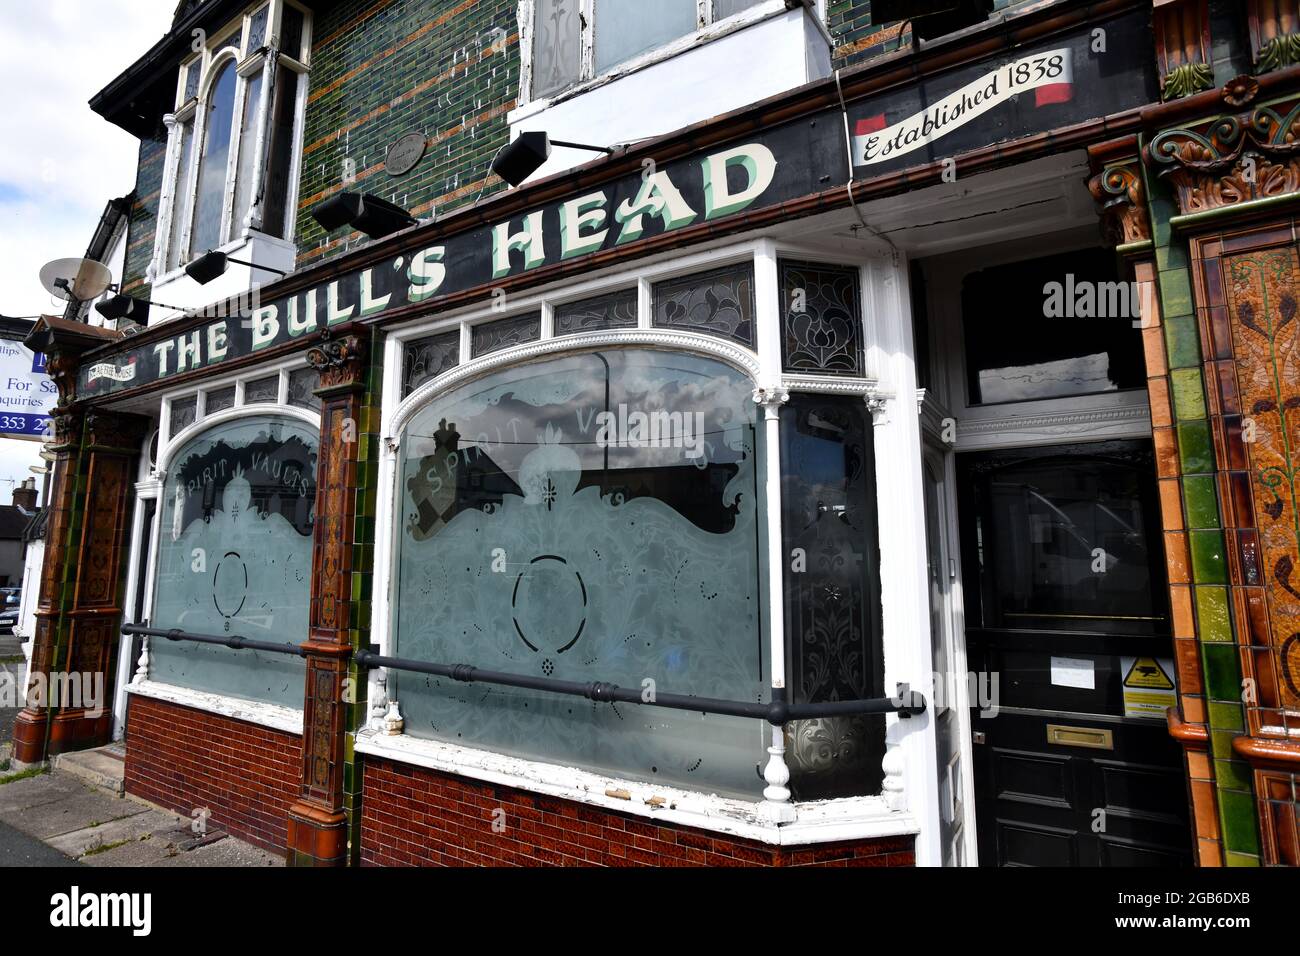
(245, 774)
(416, 817)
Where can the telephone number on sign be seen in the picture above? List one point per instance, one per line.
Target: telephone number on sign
(24, 424)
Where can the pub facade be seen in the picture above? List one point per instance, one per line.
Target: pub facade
(880, 453)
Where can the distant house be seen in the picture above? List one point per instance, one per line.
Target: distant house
(14, 521)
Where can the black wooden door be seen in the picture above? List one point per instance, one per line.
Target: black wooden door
(1068, 636)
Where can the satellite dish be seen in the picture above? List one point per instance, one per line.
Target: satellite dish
(80, 279)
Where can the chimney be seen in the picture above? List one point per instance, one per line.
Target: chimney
(25, 495)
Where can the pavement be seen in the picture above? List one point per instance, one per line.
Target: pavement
(56, 818)
(75, 813)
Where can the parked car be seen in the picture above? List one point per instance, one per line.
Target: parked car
(9, 610)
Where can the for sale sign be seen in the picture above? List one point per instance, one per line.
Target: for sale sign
(27, 394)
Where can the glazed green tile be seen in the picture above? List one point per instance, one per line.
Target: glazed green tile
(1237, 818)
(1222, 671)
(1170, 257)
(1208, 564)
(1240, 859)
(1213, 625)
(1221, 743)
(1195, 448)
(1226, 716)
(1232, 775)
(1162, 210)
(1202, 502)
(1189, 396)
(1182, 342)
(1175, 292)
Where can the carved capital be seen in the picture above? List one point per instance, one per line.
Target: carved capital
(340, 361)
(1120, 196)
(1249, 154)
(878, 405)
(770, 398)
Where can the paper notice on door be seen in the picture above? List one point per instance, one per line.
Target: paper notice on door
(1074, 672)
(1148, 686)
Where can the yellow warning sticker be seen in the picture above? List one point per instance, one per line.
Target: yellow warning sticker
(1147, 672)
(1148, 686)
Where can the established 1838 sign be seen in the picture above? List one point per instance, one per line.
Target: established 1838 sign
(1069, 79)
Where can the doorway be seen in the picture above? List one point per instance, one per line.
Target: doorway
(1066, 609)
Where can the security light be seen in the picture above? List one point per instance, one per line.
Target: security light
(212, 264)
(521, 158)
(366, 213)
(128, 307)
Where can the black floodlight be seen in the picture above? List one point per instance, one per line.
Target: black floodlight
(363, 212)
(523, 157)
(125, 307)
(932, 18)
(212, 264)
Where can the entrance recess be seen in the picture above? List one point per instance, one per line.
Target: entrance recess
(1066, 608)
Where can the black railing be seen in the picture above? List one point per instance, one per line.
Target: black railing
(777, 712)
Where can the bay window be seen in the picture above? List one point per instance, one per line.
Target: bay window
(234, 136)
(587, 500)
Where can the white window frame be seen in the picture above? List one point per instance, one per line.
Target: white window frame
(905, 805)
(707, 28)
(232, 42)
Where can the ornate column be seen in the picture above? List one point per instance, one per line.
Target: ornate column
(32, 724)
(318, 821)
(776, 806)
(79, 603)
(1230, 281)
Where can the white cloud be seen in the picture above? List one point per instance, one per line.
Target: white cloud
(59, 161)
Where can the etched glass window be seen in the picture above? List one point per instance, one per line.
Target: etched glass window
(590, 517)
(627, 28)
(504, 333)
(303, 383)
(832, 593)
(185, 411)
(235, 557)
(557, 45)
(613, 310)
(719, 302)
(427, 358)
(262, 390)
(219, 400)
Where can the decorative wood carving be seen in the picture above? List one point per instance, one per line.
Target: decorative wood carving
(1253, 153)
(1183, 47)
(340, 361)
(1119, 193)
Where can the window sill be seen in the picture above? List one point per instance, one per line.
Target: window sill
(275, 716)
(826, 821)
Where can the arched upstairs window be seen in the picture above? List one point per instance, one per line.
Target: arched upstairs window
(214, 159)
(234, 557)
(588, 517)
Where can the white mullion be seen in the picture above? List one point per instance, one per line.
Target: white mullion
(587, 69)
(167, 200)
(703, 13)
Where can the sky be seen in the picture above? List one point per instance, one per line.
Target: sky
(59, 161)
